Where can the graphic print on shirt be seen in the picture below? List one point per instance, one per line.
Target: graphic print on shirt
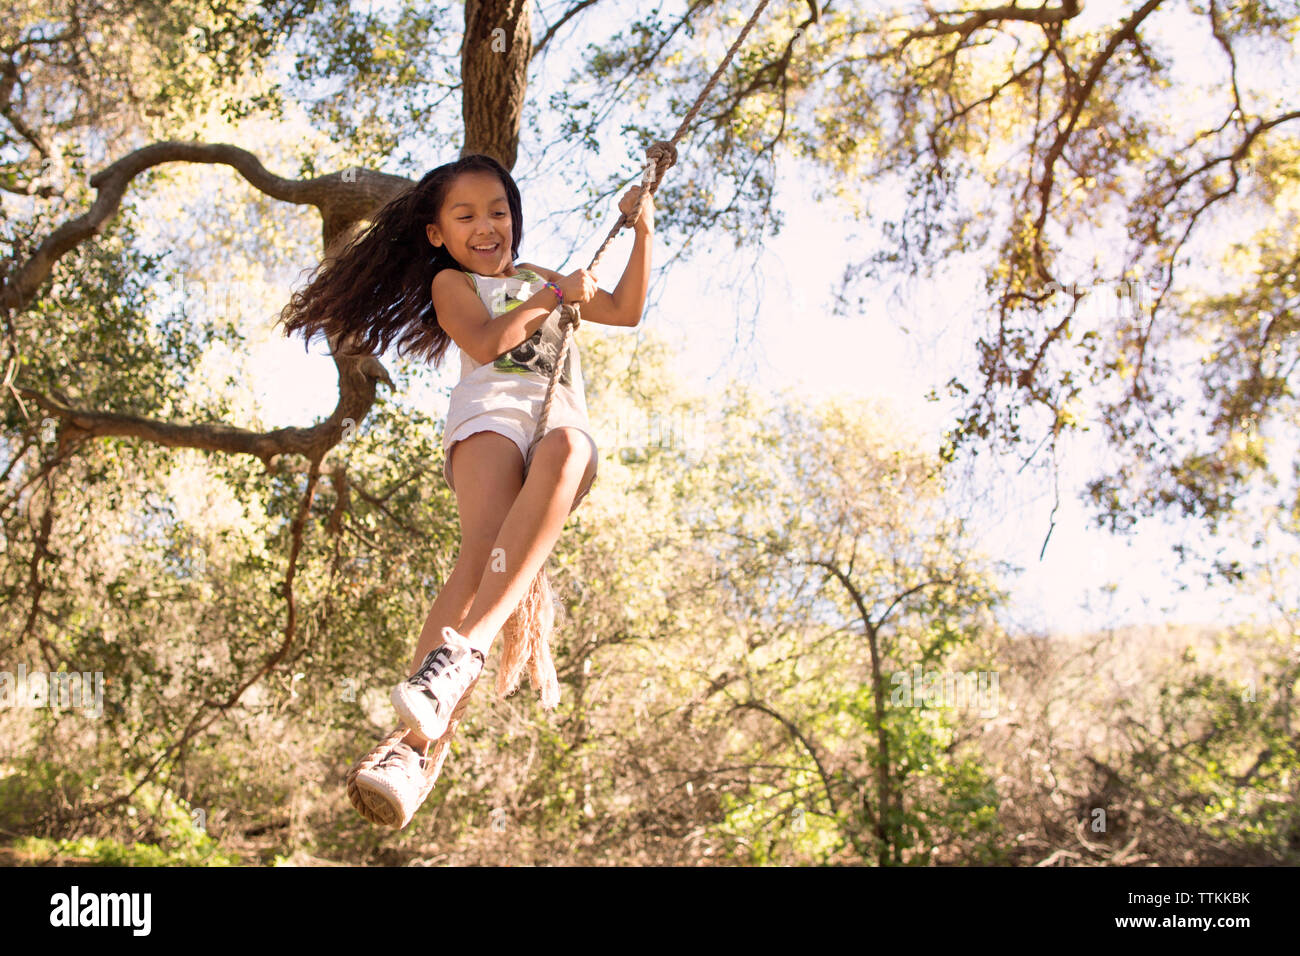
(539, 351)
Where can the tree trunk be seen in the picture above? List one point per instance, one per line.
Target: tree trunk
(495, 53)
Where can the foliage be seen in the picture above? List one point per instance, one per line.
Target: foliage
(741, 591)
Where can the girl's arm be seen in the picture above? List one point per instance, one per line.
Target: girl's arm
(464, 317)
(625, 305)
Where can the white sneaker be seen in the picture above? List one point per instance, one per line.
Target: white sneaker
(400, 779)
(426, 699)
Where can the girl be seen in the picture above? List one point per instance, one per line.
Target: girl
(438, 264)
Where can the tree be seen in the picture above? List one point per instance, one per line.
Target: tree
(858, 95)
(1018, 131)
(855, 574)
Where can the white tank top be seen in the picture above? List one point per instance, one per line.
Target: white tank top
(518, 378)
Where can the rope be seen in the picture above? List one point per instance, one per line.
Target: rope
(660, 157)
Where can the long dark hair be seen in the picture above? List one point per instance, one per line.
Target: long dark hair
(377, 288)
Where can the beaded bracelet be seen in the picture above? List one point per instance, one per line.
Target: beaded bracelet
(556, 289)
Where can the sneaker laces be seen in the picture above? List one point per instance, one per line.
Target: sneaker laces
(440, 661)
(404, 759)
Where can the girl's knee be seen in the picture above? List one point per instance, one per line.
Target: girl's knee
(566, 449)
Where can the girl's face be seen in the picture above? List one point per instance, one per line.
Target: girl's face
(474, 224)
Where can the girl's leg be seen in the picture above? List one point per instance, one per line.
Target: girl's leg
(563, 464)
(488, 472)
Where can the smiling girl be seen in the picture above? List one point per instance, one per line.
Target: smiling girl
(439, 265)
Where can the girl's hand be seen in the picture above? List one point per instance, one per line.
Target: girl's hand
(627, 206)
(578, 287)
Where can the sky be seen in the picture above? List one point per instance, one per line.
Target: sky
(906, 341)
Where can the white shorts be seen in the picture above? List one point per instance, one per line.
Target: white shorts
(518, 426)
